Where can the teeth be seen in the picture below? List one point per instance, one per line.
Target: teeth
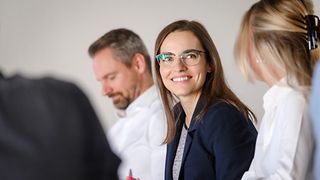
(179, 79)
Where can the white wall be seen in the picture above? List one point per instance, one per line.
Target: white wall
(51, 37)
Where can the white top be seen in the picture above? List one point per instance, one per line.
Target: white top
(179, 154)
(284, 147)
(137, 136)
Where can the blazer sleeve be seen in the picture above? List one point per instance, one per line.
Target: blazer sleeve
(101, 162)
(232, 141)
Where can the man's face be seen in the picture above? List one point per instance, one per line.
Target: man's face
(119, 82)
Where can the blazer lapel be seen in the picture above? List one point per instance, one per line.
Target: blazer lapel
(192, 129)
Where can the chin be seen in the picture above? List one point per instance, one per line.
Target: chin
(121, 106)
(182, 94)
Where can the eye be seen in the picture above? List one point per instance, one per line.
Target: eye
(165, 57)
(190, 55)
(112, 77)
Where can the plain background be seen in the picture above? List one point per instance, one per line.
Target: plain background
(51, 37)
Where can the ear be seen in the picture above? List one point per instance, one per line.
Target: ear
(139, 63)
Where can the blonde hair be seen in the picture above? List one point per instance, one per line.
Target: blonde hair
(277, 31)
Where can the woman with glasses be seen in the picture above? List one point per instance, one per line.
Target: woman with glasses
(210, 133)
(278, 45)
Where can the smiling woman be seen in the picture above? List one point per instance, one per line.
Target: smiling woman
(209, 129)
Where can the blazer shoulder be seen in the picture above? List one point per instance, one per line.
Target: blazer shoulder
(61, 89)
(19, 91)
(58, 85)
(224, 110)
(44, 85)
(224, 115)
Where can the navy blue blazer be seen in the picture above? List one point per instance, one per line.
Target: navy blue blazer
(49, 131)
(219, 146)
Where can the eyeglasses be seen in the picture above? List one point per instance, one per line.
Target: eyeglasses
(189, 57)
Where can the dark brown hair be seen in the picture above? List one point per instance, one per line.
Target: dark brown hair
(214, 89)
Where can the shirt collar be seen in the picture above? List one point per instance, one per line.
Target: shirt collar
(274, 94)
(194, 121)
(144, 100)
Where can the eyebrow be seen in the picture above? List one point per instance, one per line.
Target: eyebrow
(185, 51)
(167, 53)
(190, 50)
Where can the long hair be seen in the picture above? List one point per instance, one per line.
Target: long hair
(214, 89)
(278, 33)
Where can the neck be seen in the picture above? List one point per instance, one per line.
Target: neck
(189, 104)
(143, 84)
(146, 83)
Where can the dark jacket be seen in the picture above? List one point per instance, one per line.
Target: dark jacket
(49, 131)
(219, 146)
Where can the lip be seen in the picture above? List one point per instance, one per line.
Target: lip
(181, 78)
(114, 96)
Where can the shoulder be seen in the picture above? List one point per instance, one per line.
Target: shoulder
(224, 127)
(154, 106)
(157, 126)
(46, 92)
(28, 88)
(59, 86)
(290, 109)
(223, 117)
(39, 86)
(60, 91)
(292, 98)
(222, 111)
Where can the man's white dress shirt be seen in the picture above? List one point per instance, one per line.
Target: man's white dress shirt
(284, 147)
(137, 137)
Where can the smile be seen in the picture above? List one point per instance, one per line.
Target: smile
(180, 79)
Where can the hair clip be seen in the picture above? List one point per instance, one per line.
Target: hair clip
(313, 30)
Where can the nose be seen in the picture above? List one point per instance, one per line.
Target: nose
(178, 65)
(106, 89)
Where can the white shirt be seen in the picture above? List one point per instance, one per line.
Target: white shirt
(284, 147)
(137, 137)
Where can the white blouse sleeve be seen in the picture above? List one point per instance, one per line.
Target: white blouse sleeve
(295, 142)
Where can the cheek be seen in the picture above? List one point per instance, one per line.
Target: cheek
(256, 68)
(201, 71)
(254, 63)
(164, 75)
(202, 78)
(123, 81)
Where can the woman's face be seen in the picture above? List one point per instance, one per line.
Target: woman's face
(182, 62)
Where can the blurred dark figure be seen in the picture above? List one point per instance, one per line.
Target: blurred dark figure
(49, 131)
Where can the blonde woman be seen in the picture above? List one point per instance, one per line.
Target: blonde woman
(278, 44)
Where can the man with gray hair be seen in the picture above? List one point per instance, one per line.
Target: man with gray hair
(122, 65)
